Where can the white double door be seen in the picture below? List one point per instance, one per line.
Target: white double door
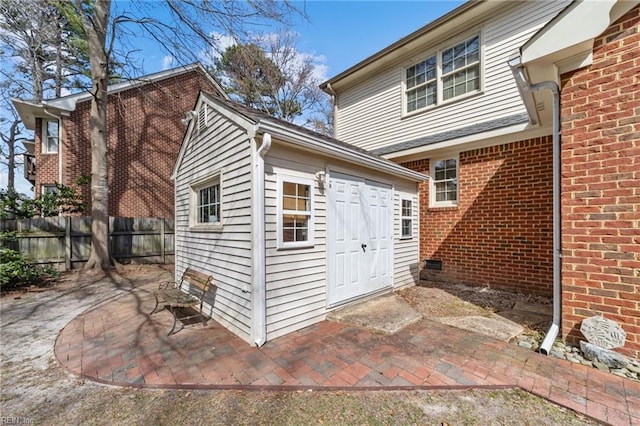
(359, 226)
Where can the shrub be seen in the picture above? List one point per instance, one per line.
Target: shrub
(16, 271)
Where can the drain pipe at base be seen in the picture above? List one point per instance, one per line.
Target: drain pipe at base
(259, 293)
(523, 83)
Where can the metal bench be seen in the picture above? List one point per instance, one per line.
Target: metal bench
(189, 292)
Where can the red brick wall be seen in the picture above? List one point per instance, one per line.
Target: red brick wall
(144, 137)
(601, 185)
(500, 234)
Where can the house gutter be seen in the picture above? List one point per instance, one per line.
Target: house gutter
(259, 295)
(307, 142)
(520, 76)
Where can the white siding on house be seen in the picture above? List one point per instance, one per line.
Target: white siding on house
(225, 146)
(406, 263)
(296, 277)
(369, 114)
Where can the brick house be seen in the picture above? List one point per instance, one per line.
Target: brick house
(447, 100)
(144, 137)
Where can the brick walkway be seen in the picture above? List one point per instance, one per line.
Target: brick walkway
(118, 342)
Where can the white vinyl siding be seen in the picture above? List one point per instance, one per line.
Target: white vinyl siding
(222, 147)
(296, 279)
(406, 258)
(370, 114)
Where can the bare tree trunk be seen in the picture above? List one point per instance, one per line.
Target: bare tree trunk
(11, 159)
(96, 30)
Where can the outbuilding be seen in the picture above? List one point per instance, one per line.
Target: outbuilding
(290, 223)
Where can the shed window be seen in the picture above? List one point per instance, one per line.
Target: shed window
(295, 212)
(50, 136)
(444, 75)
(206, 203)
(444, 182)
(406, 215)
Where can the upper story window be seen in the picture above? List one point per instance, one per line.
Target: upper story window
(406, 211)
(447, 74)
(206, 203)
(444, 182)
(295, 212)
(50, 136)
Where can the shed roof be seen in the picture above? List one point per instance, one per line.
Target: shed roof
(306, 139)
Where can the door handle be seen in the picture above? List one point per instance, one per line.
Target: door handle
(364, 246)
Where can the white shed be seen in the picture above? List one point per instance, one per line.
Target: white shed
(290, 223)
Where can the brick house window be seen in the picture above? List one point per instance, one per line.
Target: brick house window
(406, 219)
(295, 212)
(443, 187)
(49, 189)
(447, 74)
(50, 136)
(206, 203)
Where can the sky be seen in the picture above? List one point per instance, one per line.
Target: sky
(338, 34)
(342, 33)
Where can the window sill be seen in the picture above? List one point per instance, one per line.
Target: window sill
(206, 227)
(295, 247)
(50, 153)
(406, 238)
(442, 208)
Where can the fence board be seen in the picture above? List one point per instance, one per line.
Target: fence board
(65, 242)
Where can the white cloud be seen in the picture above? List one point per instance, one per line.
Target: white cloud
(167, 62)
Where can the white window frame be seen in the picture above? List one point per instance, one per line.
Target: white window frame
(194, 203)
(440, 76)
(46, 136)
(48, 189)
(281, 244)
(433, 181)
(404, 217)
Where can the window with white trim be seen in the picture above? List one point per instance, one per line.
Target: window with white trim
(445, 75)
(50, 136)
(444, 182)
(406, 218)
(295, 212)
(49, 189)
(206, 203)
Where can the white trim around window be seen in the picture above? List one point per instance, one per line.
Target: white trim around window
(49, 189)
(406, 218)
(451, 72)
(295, 215)
(50, 136)
(206, 203)
(444, 190)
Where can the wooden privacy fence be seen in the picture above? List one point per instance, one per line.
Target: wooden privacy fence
(65, 242)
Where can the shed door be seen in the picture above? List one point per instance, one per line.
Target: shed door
(359, 238)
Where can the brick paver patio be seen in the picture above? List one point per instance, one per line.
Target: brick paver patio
(118, 343)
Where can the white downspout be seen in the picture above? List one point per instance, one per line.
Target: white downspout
(523, 82)
(259, 296)
(334, 101)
